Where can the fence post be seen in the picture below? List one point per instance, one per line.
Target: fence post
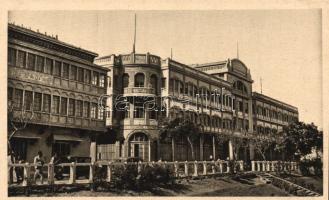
(268, 166)
(26, 178)
(258, 166)
(109, 172)
(252, 165)
(195, 168)
(186, 168)
(91, 172)
(139, 167)
(213, 169)
(241, 166)
(50, 173)
(220, 167)
(228, 168)
(176, 168)
(204, 168)
(264, 166)
(72, 173)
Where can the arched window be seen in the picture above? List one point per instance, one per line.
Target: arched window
(154, 83)
(139, 80)
(125, 80)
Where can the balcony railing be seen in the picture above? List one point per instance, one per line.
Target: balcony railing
(137, 91)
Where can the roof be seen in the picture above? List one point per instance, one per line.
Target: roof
(48, 38)
(262, 96)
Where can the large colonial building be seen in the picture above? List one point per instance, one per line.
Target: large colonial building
(61, 84)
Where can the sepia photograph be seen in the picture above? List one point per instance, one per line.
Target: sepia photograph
(206, 103)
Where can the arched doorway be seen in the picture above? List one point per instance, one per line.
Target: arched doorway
(139, 146)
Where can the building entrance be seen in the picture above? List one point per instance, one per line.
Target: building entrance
(139, 146)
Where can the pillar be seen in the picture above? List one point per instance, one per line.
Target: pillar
(230, 148)
(93, 151)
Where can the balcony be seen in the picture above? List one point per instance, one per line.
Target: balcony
(138, 91)
(146, 59)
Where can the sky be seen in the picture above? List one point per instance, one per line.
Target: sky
(281, 47)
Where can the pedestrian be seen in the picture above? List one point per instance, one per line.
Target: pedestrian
(57, 169)
(19, 170)
(38, 161)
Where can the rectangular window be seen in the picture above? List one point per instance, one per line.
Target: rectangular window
(139, 110)
(100, 114)
(66, 70)
(71, 107)
(21, 59)
(240, 106)
(87, 76)
(80, 74)
(12, 56)
(30, 61)
(57, 69)
(62, 148)
(73, 73)
(37, 101)
(46, 103)
(86, 109)
(79, 108)
(56, 104)
(64, 106)
(40, 64)
(163, 82)
(48, 66)
(95, 78)
(101, 80)
(93, 111)
(28, 98)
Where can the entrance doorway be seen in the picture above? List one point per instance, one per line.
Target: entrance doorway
(139, 146)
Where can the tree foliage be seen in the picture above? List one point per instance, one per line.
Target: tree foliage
(301, 139)
(179, 128)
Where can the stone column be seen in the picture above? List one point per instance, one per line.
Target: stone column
(230, 148)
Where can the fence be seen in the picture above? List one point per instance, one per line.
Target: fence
(268, 166)
(180, 169)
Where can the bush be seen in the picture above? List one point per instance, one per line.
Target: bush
(153, 176)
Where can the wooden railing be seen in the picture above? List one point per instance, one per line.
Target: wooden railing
(179, 169)
(267, 166)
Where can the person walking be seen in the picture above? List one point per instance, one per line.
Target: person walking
(38, 161)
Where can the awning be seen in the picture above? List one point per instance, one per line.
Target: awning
(67, 138)
(26, 135)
